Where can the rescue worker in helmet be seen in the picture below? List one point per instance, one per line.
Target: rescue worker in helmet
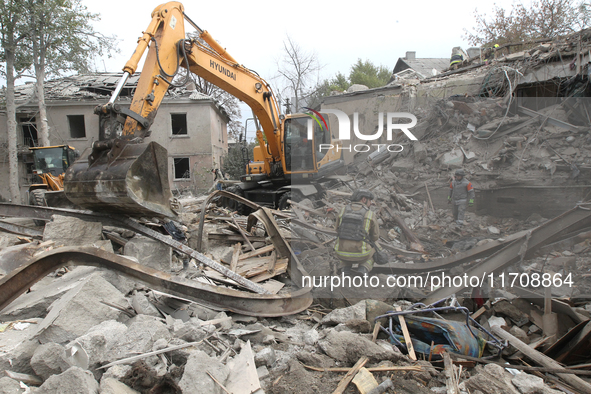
(461, 194)
(357, 227)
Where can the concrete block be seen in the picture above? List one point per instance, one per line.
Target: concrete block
(73, 381)
(343, 315)
(80, 309)
(18, 358)
(140, 336)
(530, 384)
(420, 151)
(150, 253)
(11, 386)
(452, 159)
(265, 357)
(196, 380)
(492, 379)
(113, 386)
(49, 359)
(348, 348)
(117, 372)
(142, 305)
(69, 231)
(98, 341)
(43, 294)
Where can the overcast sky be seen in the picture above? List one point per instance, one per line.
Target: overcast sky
(338, 32)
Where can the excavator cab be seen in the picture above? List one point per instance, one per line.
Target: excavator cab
(50, 164)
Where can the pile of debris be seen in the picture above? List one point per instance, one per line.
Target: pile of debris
(88, 330)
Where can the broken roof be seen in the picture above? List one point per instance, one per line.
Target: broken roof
(91, 87)
(423, 66)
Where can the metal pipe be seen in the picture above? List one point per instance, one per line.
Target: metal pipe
(119, 87)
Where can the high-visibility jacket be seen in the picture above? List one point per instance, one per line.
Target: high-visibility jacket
(357, 250)
(461, 190)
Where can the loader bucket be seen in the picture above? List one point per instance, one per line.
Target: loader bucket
(121, 177)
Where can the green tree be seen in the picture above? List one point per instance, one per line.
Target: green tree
(11, 37)
(62, 39)
(235, 161)
(541, 19)
(368, 74)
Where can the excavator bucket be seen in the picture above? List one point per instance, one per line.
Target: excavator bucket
(117, 176)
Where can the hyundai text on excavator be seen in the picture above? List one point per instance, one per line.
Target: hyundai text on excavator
(126, 175)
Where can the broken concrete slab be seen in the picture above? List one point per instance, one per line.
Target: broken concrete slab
(491, 379)
(17, 358)
(149, 252)
(14, 256)
(530, 384)
(98, 341)
(195, 377)
(347, 347)
(243, 377)
(420, 151)
(73, 381)
(80, 309)
(343, 315)
(10, 386)
(452, 159)
(70, 231)
(265, 357)
(140, 336)
(49, 359)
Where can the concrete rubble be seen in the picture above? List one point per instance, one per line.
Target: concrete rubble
(90, 330)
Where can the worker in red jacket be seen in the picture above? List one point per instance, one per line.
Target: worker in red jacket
(461, 194)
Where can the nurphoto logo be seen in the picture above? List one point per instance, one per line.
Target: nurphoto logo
(344, 133)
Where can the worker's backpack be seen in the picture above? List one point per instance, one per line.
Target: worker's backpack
(351, 227)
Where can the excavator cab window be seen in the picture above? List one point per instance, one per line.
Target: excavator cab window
(51, 160)
(299, 151)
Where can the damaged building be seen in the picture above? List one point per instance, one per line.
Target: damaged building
(225, 300)
(190, 124)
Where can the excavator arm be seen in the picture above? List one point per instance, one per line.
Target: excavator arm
(168, 50)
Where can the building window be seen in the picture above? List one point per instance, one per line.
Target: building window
(179, 124)
(29, 128)
(77, 129)
(182, 168)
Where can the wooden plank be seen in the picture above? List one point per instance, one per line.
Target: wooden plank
(280, 268)
(450, 375)
(242, 233)
(235, 257)
(349, 376)
(542, 359)
(407, 339)
(233, 238)
(429, 196)
(257, 252)
(376, 331)
(273, 286)
(365, 381)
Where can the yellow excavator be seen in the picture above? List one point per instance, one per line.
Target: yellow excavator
(50, 164)
(127, 175)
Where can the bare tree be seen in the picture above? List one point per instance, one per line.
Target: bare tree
(542, 19)
(11, 36)
(299, 71)
(62, 39)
